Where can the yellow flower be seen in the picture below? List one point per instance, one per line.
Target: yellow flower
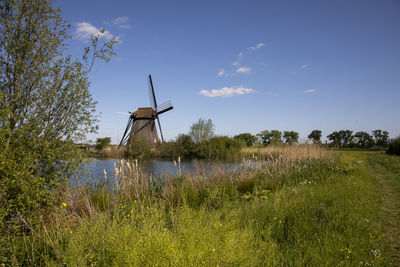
(63, 204)
(70, 231)
(280, 221)
(220, 225)
(274, 218)
(213, 250)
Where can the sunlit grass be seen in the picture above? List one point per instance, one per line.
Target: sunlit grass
(307, 208)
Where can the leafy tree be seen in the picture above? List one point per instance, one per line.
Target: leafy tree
(346, 138)
(184, 145)
(315, 136)
(270, 137)
(342, 138)
(363, 140)
(335, 139)
(381, 137)
(290, 137)
(202, 130)
(45, 104)
(394, 146)
(247, 137)
(102, 142)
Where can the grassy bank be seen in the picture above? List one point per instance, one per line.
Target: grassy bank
(308, 207)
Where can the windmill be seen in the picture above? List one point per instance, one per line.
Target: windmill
(141, 123)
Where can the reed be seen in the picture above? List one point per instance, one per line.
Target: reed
(302, 207)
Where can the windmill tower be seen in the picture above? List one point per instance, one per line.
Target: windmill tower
(141, 123)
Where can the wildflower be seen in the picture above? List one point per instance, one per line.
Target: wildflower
(63, 204)
(280, 221)
(70, 231)
(274, 218)
(220, 225)
(213, 250)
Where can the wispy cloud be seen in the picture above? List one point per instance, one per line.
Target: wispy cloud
(301, 68)
(244, 69)
(221, 72)
(309, 91)
(227, 92)
(304, 66)
(257, 46)
(122, 22)
(84, 30)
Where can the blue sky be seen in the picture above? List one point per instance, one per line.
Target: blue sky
(247, 65)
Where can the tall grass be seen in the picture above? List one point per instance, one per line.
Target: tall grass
(306, 207)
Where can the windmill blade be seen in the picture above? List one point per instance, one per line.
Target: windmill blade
(164, 107)
(159, 127)
(153, 100)
(125, 137)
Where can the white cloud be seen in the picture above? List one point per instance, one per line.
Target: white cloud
(257, 46)
(122, 22)
(84, 30)
(243, 69)
(227, 92)
(304, 66)
(309, 91)
(236, 63)
(221, 72)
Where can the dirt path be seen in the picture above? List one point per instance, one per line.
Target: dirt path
(387, 170)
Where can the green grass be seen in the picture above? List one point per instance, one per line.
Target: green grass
(320, 211)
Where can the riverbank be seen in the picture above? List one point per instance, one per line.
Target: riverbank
(325, 208)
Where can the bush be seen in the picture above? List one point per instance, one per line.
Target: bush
(394, 146)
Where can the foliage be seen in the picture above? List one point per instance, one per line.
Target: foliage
(102, 142)
(363, 140)
(272, 137)
(342, 138)
(45, 105)
(290, 137)
(202, 130)
(247, 137)
(315, 136)
(381, 137)
(219, 147)
(394, 146)
(303, 212)
(138, 148)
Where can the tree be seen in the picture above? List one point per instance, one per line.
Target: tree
(363, 140)
(290, 137)
(45, 104)
(202, 130)
(247, 137)
(102, 142)
(315, 136)
(335, 139)
(381, 137)
(342, 138)
(346, 138)
(270, 137)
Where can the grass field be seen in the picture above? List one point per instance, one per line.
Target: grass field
(309, 207)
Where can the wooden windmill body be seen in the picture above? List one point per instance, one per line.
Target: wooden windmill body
(141, 124)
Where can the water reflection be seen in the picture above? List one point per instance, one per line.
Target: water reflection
(103, 169)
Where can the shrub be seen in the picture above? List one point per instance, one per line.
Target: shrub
(394, 146)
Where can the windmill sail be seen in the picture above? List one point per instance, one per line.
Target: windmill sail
(141, 123)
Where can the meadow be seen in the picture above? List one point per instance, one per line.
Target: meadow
(309, 206)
